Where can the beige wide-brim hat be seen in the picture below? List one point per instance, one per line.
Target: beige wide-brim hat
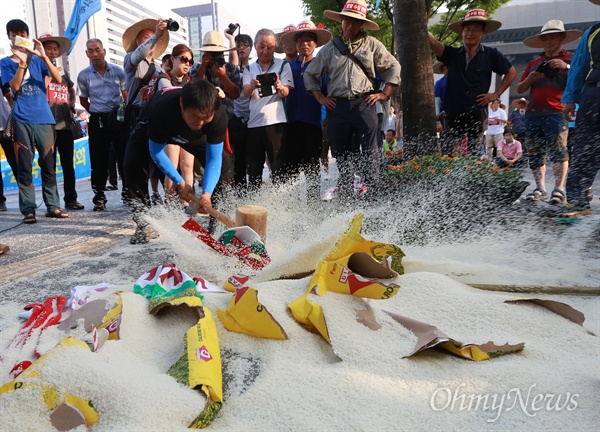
(517, 102)
(64, 43)
(437, 68)
(356, 9)
(213, 42)
(552, 26)
(306, 26)
(130, 36)
(476, 15)
(286, 29)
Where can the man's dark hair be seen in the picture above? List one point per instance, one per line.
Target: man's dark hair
(311, 34)
(200, 94)
(244, 38)
(392, 131)
(508, 131)
(165, 58)
(16, 26)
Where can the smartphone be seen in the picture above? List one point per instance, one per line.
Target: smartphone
(23, 42)
(267, 84)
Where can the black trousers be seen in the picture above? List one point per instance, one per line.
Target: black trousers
(467, 123)
(100, 138)
(261, 140)
(9, 152)
(302, 152)
(353, 134)
(64, 145)
(238, 138)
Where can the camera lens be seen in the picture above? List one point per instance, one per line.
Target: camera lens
(172, 25)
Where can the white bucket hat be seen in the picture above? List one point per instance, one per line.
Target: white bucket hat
(213, 42)
(552, 26)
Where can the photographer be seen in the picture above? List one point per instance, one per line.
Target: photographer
(546, 128)
(267, 82)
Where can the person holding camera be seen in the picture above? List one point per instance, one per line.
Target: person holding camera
(547, 130)
(238, 124)
(32, 120)
(144, 42)
(267, 82)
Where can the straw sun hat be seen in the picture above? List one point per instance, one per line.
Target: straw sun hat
(306, 26)
(213, 42)
(64, 43)
(476, 15)
(286, 29)
(130, 37)
(356, 9)
(552, 26)
(516, 102)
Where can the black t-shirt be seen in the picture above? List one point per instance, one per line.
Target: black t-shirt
(166, 125)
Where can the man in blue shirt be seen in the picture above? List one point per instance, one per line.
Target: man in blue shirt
(25, 72)
(102, 86)
(583, 87)
(470, 69)
(304, 136)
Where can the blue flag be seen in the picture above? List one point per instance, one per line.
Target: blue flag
(82, 11)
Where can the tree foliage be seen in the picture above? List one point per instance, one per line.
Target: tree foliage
(450, 11)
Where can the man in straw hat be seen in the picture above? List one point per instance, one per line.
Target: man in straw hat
(583, 87)
(61, 98)
(547, 130)
(470, 69)
(25, 71)
(353, 90)
(144, 42)
(289, 50)
(304, 136)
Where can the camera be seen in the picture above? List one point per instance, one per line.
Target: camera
(232, 28)
(267, 83)
(547, 70)
(218, 59)
(172, 25)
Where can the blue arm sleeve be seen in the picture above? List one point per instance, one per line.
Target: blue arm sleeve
(157, 151)
(580, 67)
(212, 170)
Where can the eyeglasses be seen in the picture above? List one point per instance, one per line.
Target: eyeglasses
(241, 45)
(185, 60)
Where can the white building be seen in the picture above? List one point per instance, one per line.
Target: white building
(107, 25)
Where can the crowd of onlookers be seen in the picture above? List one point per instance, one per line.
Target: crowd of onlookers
(169, 118)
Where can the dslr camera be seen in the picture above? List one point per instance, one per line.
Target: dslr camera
(218, 59)
(232, 28)
(172, 25)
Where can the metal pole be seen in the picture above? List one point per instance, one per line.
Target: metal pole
(214, 15)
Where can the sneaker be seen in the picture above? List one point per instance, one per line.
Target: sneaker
(111, 187)
(3, 207)
(537, 195)
(558, 197)
(100, 206)
(140, 236)
(74, 205)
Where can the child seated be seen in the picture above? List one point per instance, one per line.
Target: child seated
(392, 149)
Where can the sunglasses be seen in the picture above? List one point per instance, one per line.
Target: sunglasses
(185, 60)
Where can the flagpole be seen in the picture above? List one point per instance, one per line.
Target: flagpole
(214, 17)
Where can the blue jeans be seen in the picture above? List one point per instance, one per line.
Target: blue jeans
(28, 139)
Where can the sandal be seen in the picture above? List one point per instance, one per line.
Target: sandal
(57, 214)
(29, 218)
(558, 197)
(537, 195)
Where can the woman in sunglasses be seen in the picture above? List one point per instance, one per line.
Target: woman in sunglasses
(180, 62)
